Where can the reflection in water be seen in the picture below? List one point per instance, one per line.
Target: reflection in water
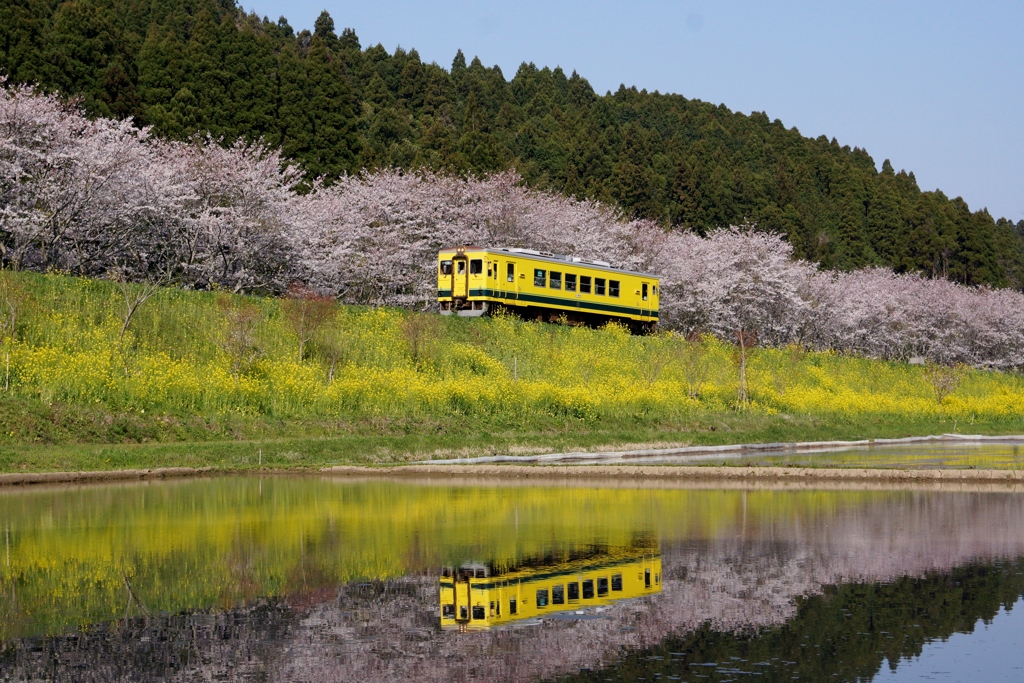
(989, 652)
(476, 597)
(319, 579)
(847, 633)
(997, 454)
(933, 455)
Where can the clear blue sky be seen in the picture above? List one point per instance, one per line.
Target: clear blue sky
(936, 87)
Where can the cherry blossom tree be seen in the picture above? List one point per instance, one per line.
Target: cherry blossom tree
(238, 212)
(105, 198)
(374, 238)
(75, 191)
(97, 196)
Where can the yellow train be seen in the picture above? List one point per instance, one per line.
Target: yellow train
(473, 281)
(473, 597)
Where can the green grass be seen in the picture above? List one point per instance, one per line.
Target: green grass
(173, 392)
(388, 445)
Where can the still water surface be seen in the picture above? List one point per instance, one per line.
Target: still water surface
(1004, 455)
(321, 579)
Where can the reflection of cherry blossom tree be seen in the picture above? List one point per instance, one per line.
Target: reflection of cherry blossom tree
(94, 197)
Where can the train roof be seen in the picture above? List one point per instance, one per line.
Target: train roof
(553, 258)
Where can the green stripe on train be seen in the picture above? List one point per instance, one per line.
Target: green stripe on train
(564, 303)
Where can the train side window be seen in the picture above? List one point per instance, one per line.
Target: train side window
(542, 597)
(558, 595)
(511, 271)
(574, 591)
(555, 279)
(511, 605)
(616, 582)
(588, 589)
(448, 611)
(478, 613)
(599, 286)
(602, 586)
(647, 578)
(446, 267)
(570, 282)
(476, 266)
(461, 268)
(613, 288)
(539, 277)
(489, 270)
(585, 284)
(643, 290)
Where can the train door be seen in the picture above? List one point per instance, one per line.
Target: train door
(462, 603)
(645, 299)
(511, 284)
(460, 277)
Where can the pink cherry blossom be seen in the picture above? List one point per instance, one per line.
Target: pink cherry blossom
(97, 197)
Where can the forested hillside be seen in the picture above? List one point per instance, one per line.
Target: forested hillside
(188, 66)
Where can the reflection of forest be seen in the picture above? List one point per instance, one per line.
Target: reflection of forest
(844, 634)
(746, 579)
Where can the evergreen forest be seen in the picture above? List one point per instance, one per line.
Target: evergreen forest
(190, 67)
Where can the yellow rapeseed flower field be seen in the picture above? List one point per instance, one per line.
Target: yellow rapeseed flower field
(175, 357)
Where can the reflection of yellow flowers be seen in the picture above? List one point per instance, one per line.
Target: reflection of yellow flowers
(71, 351)
(224, 541)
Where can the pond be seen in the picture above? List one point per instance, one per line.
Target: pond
(336, 579)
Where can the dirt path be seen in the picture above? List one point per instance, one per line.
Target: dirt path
(19, 479)
(574, 475)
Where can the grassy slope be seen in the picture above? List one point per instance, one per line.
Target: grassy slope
(371, 446)
(83, 398)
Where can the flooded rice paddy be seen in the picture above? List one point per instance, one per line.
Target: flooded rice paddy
(946, 452)
(336, 579)
(943, 455)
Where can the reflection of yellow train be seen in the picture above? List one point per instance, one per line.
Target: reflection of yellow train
(471, 281)
(473, 597)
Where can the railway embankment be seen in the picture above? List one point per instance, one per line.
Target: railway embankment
(212, 381)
